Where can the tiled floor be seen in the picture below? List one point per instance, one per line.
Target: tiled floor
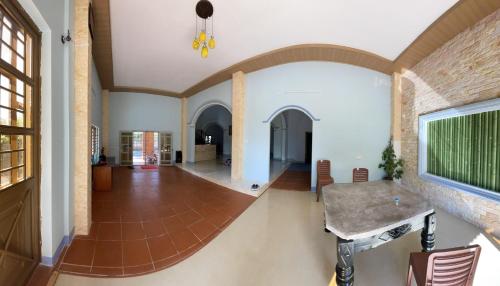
(294, 179)
(151, 220)
(215, 171)
(279, 240)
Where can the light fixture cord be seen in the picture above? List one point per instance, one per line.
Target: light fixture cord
(212, 26)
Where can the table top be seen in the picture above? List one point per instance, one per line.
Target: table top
(361, 210)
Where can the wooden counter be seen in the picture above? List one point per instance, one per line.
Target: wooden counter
(204, 152)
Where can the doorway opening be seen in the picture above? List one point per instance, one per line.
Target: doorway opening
(213, 138)
(145, 148)
(291, 140)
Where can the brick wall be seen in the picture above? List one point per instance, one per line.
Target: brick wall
(464, 70)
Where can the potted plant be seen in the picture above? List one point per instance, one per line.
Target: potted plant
(392, 166)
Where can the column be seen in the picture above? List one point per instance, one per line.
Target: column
(238, 120)
(81, 108)
(396, 112)
(184, 131)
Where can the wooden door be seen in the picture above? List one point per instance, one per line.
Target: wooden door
(19, 145)
(165, 149)
(126, 148)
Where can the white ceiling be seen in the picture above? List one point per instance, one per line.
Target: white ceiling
(152, 38)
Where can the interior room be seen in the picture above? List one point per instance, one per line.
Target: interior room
(208, 142)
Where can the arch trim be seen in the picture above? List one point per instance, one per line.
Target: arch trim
(287, 107)
(204, 107)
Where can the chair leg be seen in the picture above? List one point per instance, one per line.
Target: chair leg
(410, 276)
(318, 190)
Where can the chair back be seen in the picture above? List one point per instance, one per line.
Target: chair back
(453, 266)
(359, 175)
(323, 168)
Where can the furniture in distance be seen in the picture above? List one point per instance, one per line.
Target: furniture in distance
(205, 152)
(323, 176)
(366, 215)
(102, 178)
(359, 175)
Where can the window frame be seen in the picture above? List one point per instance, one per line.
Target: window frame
(474, 108)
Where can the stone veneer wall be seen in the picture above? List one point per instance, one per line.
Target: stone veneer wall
(464, 70)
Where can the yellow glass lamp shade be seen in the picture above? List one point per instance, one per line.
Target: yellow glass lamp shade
(211, 43)
(196, 44)
(204, 52)
(203, 36)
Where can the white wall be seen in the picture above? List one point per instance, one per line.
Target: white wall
(351, 105)
(142, 112)
(219, 94)
(53, 18)
(298, 124)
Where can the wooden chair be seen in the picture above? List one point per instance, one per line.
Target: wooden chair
(359, 175)
(454, 266)
(323, 176)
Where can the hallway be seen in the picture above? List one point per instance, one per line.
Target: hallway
(151, 220)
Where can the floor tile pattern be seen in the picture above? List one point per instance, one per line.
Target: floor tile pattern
(151, 220)
(293, 180)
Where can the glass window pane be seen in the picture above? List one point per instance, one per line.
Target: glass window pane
(20, 174)
(5, 81)
(7, 22)
(5, 161)
(5, 179)
(20, 64)
(28, 55)
(19, 103)
(20, 36)
(4, 97)
(27, 106)
(20, 47)
(19, 119)
(19, 86)
(6, 53)
(5, 116)
(6, 35)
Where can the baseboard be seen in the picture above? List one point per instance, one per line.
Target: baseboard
(66, 240)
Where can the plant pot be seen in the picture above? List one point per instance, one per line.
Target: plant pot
(388, 178)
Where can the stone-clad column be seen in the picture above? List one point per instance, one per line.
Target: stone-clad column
(82, 77)
(184, 131)
(396, 112)
(238, 106)
(105, 121)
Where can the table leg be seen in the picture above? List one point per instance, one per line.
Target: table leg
(345, 268)
(427, 235)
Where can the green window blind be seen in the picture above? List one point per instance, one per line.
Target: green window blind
(466, 149)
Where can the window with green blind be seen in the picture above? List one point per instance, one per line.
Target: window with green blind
(460, 147)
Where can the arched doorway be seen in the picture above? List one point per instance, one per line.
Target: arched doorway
(291, 141)
(212, 142)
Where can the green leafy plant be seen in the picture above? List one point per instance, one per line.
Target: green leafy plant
(392, 166)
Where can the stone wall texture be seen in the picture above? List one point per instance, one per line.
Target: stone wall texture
(464, 70)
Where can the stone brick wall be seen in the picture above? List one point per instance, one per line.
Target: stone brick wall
(464, 70)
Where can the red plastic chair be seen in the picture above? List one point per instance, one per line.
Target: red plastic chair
(323, 176)
(454, 266)
(359, 175)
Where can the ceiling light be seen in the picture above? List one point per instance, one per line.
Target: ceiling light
(204, 10)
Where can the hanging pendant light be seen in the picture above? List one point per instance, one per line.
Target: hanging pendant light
(204, 10)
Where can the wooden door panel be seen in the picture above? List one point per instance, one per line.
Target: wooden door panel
(15, 270)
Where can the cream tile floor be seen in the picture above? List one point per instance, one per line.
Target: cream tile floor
(279, 240)
(216, 172)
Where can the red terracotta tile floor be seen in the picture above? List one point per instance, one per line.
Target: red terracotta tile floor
(150, 221)
(293, 180)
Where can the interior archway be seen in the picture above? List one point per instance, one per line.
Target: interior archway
(291, 142)
(212, 144)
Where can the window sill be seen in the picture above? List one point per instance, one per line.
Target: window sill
(461, 187)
